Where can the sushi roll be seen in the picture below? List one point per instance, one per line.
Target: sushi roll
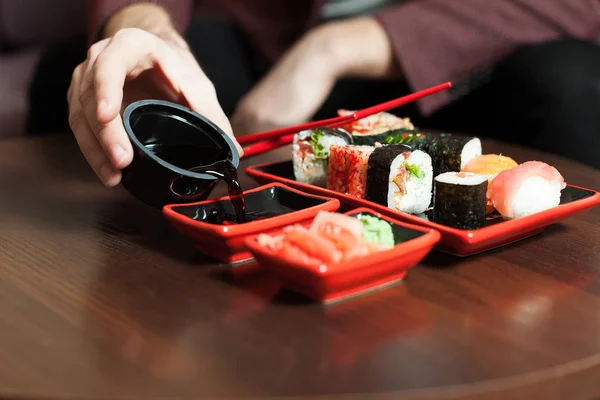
(526, 189)
(489, 165)
(347, 171)
(310, 153)
(449, 153)
(400, 179)
(460, 200)
(384, 128)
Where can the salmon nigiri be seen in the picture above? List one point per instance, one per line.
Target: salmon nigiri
(526, 189)
(489, 165)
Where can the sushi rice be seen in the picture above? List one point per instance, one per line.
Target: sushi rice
(535, 194)
(464, 178)
(417, 172)
(470, 151)
(310, 166)
(529, 188)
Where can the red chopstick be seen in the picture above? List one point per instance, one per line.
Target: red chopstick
(277, 133)
(340, 121)
(263, 147)
(267, 141)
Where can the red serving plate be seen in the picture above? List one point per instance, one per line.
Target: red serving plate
(226, 242)
(497, 232)
(332, 283)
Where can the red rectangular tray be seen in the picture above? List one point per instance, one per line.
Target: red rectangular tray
(497, 232)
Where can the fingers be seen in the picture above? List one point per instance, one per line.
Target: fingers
(97, 93)
(111, 63)
(94, 155)
(129, 53)
(86, 139)
(102, 111)
(202, 97)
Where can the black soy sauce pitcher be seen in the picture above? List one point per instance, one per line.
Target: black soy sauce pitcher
(168, 141)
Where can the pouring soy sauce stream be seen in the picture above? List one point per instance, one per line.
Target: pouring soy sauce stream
(227, 172)
(224, 170)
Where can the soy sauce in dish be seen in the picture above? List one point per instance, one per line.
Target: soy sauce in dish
(218, 217)
(226, 171)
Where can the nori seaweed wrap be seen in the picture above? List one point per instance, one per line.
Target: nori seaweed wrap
(378, 172)
(448, 153)
(460, 200)
(400, 178)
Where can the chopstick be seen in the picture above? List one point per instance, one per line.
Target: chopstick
(263, 147)
(340, 121)
(281, 132)
(278, 139)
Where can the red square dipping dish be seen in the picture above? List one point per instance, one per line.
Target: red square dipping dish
(389, 253)
(268, 208)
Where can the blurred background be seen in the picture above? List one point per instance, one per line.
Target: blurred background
(42, 41)
(27, 30)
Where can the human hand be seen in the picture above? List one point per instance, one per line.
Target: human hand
(293, 91)
(290, 93)
(132, 65)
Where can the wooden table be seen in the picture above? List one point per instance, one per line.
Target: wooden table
(100, 298)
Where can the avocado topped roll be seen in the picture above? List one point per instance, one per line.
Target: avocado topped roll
(400, 179)
(310, 153)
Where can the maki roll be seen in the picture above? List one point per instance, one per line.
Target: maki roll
(400, 179)
(449, 153)
(460, 200)
(384, 128)
(347, 171)
(310, 153)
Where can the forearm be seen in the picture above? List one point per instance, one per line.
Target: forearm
(357, 48)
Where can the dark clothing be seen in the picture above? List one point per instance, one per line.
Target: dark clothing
(545, 96)
(434, 40)
(539, 95)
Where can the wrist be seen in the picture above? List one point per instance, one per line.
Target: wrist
(149, 17)
(357, 48)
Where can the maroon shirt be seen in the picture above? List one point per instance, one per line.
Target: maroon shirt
(434, 40)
